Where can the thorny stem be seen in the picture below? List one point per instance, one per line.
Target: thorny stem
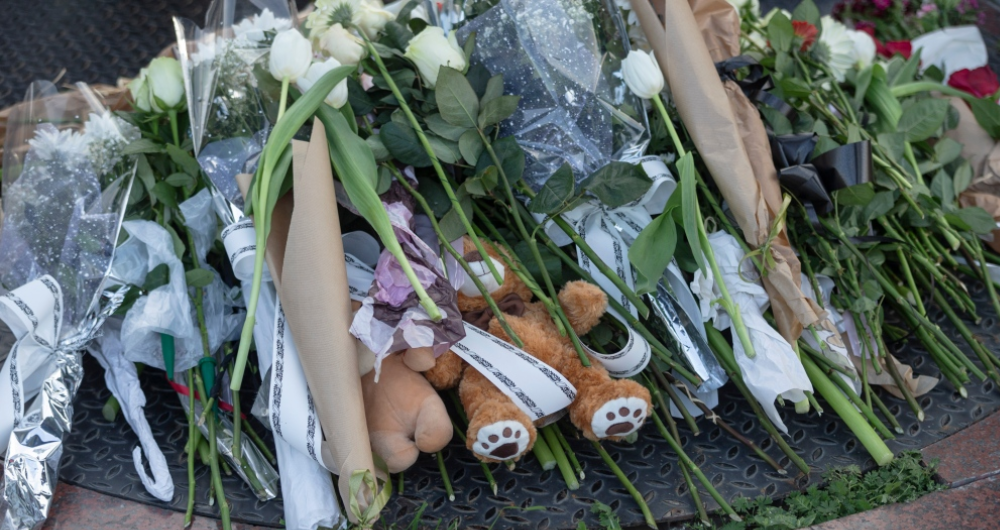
(647, 515)
(486, 468)
(430, 154)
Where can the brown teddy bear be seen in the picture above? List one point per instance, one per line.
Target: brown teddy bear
(604, 408)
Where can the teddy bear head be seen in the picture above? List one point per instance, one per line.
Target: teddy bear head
(470, 299)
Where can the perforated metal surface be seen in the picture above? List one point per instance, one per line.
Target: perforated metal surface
(98, 457)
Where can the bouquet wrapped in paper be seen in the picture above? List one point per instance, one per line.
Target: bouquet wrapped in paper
(66, 184)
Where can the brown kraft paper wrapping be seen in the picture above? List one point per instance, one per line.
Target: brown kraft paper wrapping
(730, 137)
(984, 154)
(312, 286)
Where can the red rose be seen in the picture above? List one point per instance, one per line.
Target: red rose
(806, 31)
(981, 82)
(902, 47)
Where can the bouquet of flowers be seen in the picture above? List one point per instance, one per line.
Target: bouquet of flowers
(67, 177)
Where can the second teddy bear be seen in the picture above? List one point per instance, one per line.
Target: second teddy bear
(604, 408)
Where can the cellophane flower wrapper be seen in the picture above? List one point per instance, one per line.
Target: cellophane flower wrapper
(232, 98)
(564, 60)
(66, 185)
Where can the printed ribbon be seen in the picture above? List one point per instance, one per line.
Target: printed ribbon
(39, 361)
(610, 232)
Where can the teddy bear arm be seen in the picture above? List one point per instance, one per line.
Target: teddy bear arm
(446, 372)
(584, 304)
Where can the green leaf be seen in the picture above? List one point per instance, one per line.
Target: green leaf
(180, 180)
(923, 119)
(498, 109)
(780, 32)
(403, 144)
(469, 47)
(861, 83)
(779, 122)
(882, 102)
(551, 262)
(857, 195)
(963, 177)
(436, 196)
(795, 87)
(908, 71)
(359, 99)
(145, 175)
(511, 158)
(689, 207)
(142, 146)
(456, 99)
(179, 248)
(652, 251)
(807, 11)
(156, 278)
(444, 150)
(198, 277)
(617, 184)
(894, 142)
(378, 148)
(880, 205)
(471, 146)
(165, 193)
(482, 184)
(451, 224)
(494, 89)
(478, 77)
(384, 180)
(972, 218)
(184, 160)
(987, 113)
(943, 188)
(555, 192)
(438, 126)
(397, 34)
(947, 150)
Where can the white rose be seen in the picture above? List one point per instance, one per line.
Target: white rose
(371, 19)
(291, 54)
(430, 50)
(338, 96)
(342, 45)
(642, 74)
(165, 80)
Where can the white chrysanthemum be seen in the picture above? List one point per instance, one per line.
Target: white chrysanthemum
(323, 13)
(52, 144)
(253, 30)
(205, 53)
(367, 15)
(839, 46)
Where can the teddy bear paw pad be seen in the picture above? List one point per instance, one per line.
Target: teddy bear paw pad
(503, 440)
(619, 417)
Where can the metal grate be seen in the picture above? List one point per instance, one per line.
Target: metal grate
(98, 456)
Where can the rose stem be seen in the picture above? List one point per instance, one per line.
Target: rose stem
(866, 411)
(669, 389)
(430, 154)
(716, 419)
(647, 515)
(569, 452)
(963, 330)
(724, 352)
(191, 449)
(451, 250)
(484, 465)
(843, 407)
(543, 454)
(444, 477)
(552, 439)
(665, 411)
(213, 460)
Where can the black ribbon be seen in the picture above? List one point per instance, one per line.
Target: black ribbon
(755, 84)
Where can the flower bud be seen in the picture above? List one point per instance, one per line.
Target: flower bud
(430, 50)
(291, 54)
(338, 96)
(642, 74)
(342, 45)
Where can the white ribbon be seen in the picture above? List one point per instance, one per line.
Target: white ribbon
(610, 232)
(306, 486)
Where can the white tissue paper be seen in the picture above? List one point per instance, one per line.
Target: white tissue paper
(775, 370)
(123, 382)
(951, 49)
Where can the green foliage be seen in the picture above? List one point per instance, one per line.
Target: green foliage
(847, 491)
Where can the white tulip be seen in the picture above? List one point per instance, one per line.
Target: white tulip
(338, 96)
(342, 45)
(165, 81)
(642, 74)
(371, 19)
(430, 50)
(291, 54)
